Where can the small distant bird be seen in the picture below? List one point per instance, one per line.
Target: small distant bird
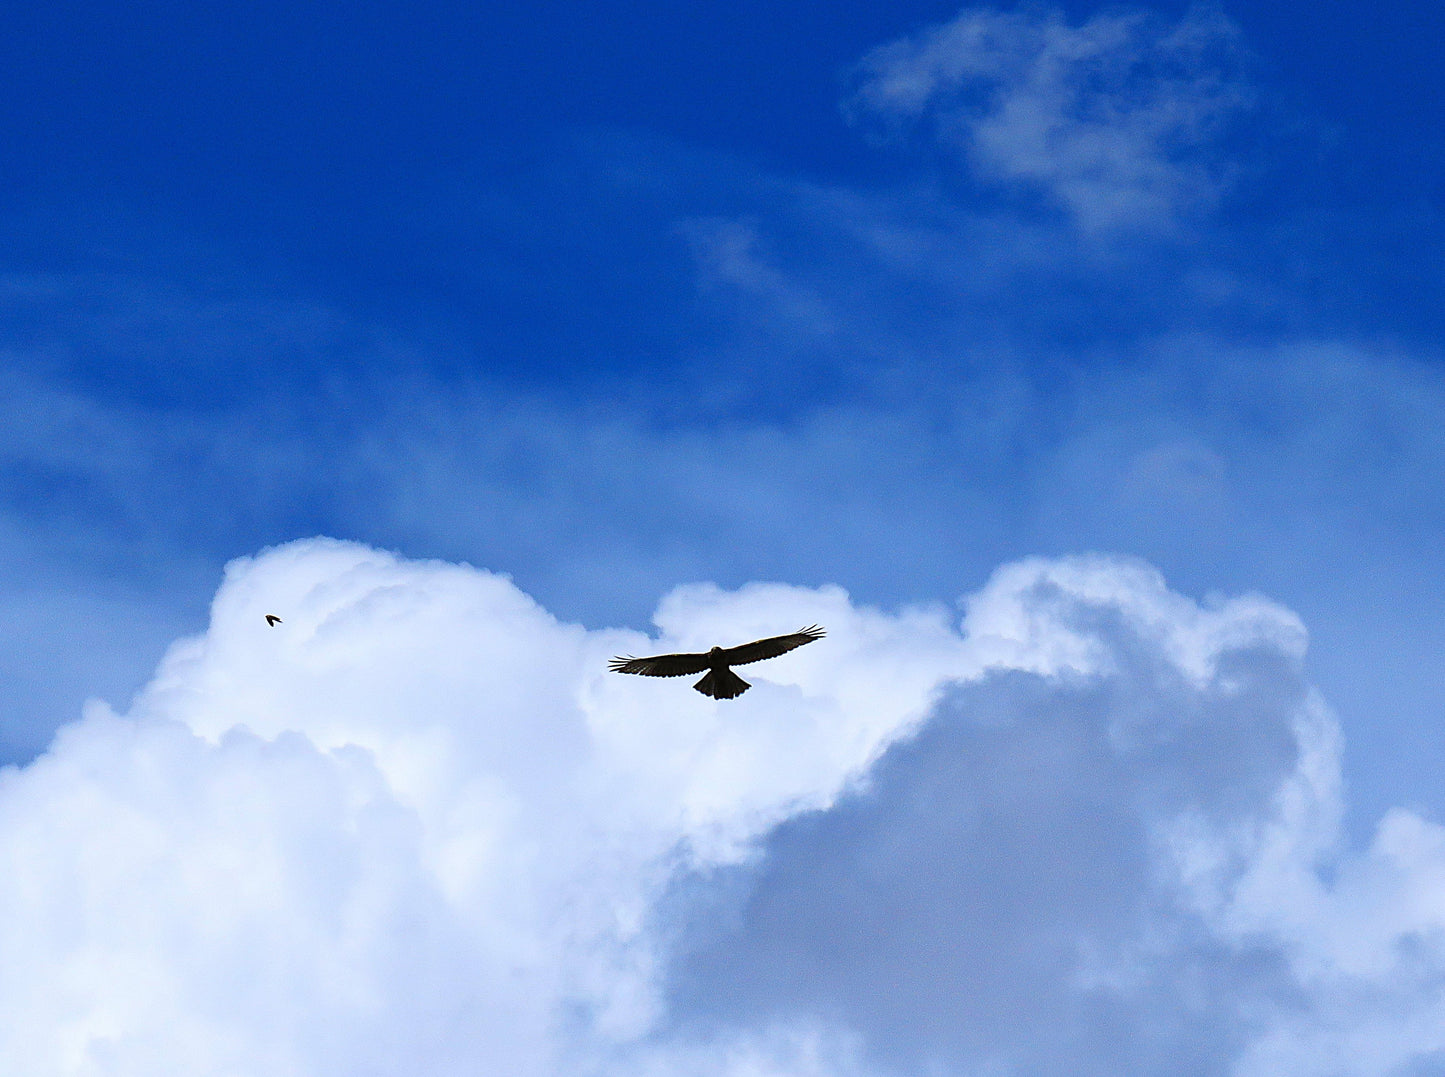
(720, 682)
(272, 620)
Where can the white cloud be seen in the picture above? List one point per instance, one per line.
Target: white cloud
(1109, 117)
(1126, 859)
(418, 828)
(412, 828)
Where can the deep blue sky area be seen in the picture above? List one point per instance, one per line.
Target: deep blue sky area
(419, 167)
(618, 296)
(378, 160)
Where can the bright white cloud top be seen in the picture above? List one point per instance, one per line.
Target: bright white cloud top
(418, 828)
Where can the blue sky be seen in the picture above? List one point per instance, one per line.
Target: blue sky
(235, 245)
(617, 298)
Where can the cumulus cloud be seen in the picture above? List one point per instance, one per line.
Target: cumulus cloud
(1109, 118)
(415, 827)
(1118, 851)
(418, 828)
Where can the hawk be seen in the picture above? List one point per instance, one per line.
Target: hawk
(720, 682)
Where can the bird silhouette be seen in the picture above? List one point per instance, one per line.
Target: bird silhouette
(272, 620)
(720, 682)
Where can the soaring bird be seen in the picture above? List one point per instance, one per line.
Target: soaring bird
(272, 620)
(720, 682)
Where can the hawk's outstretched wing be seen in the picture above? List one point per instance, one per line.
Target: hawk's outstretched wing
(662, 665)
(771, 647)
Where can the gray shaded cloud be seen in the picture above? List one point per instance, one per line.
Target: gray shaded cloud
(1136, 868)
(994, 896)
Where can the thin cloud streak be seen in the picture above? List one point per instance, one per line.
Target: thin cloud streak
(1211, 459)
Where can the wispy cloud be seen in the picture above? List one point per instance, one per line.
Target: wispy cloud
(1113, 119)
(1210, 458)
(728, 254)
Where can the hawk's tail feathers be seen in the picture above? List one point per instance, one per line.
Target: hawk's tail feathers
(722, 684)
